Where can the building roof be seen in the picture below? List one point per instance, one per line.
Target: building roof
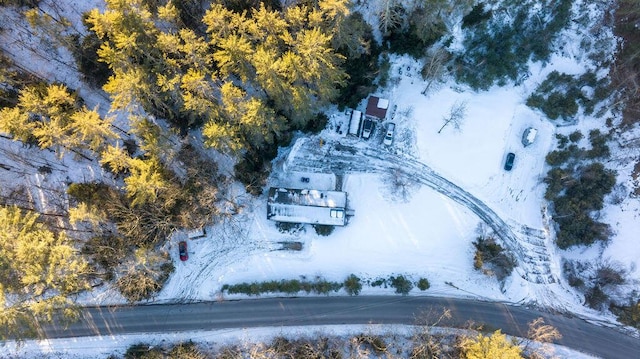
(307, 206)
(377, 107)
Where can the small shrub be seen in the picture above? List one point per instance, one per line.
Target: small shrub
(272, 286)
(323, 230)
(230, 352)
(575, 136)
(562, 140)
(494, 256)
(353, 285)
(401, 284)
(595, 297)
(599, 147)
(143, 351)
(609, 274)
(423, 284)
(477, 260)
(144, 281)
(376, 342)
(290, 286)
(321, 286)
(575, 282)
(629, 315)
(618, 194)
(286, 227)
(281, 346)
(186, 350)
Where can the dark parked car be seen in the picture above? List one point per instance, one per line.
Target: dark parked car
(182, 248)
(508, 164)
(367, 128)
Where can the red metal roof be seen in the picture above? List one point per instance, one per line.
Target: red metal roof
(377, 107)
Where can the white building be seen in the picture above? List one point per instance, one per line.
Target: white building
(307, 206)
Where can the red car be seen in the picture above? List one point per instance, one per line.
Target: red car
(182, 248)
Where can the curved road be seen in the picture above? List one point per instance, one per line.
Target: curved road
(275, 312)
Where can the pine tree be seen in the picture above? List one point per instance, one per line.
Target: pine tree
(115, 157)
(221, 136)
(39, 271)
(233, 56)
(145, 181)
(16, 123)
(51, 118)
(91, 129)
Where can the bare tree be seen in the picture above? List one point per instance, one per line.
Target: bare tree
(543, 334)
(456, 115)
(425, 343)
(399, 184)
(434, 68)
(391, 15)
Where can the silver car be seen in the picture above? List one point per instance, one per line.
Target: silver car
(388, 137)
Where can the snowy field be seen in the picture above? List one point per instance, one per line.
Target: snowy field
(426, 234)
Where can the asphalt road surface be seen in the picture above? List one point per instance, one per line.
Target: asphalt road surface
(275, 312)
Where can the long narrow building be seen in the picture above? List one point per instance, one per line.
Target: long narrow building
(307, 206)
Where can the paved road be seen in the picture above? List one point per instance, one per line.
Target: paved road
(276, 312)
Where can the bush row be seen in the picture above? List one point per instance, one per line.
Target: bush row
(352, 285)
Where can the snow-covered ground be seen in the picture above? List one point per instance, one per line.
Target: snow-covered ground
(425, 234)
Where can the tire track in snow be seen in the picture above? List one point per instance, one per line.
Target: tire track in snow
(528, 245)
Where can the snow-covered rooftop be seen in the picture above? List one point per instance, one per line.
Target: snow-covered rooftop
(307, 206)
